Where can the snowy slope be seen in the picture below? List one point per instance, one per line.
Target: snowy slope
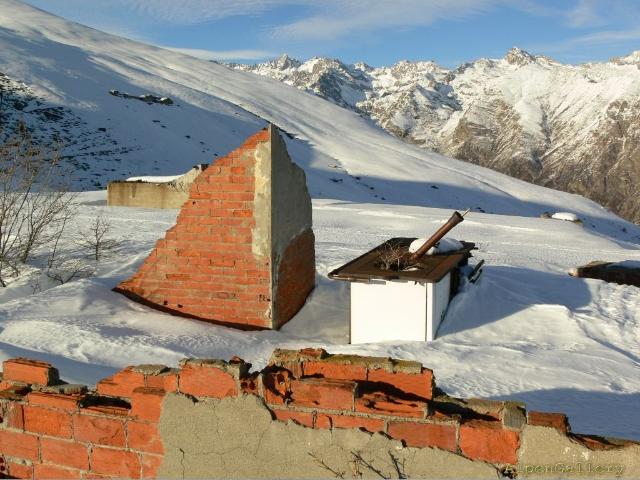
(75, 67)
(525, 330)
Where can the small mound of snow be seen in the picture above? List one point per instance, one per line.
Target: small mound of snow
(156, 179)
(444, 245)
(569, 217)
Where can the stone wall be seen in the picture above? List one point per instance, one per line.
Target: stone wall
(146, 194)
(308, 414)
(242, 250)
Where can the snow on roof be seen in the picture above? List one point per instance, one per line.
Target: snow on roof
(154, 179)
(570, 217)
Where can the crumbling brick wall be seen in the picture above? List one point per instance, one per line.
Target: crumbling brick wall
(242, 250)
(128, 426)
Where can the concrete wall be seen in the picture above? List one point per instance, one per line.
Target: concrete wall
(242, 250)
(171, 194)
(308, 414)
(292, 240)
(263, 448)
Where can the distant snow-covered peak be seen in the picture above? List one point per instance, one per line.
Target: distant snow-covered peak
(632, 59)
(519, 57)
(284, 61)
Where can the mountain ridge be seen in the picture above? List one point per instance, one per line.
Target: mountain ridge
(529, 116)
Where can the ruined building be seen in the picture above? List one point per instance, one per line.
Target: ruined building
(242, 250)
(152, 192)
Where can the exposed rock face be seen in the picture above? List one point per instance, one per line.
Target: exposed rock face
(570, 127)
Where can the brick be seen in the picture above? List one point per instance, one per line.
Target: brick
(323, 393)
(490, 408)
(421, 435)
(99, 430)
(67, 453)
(383, 404)
(150, 465)
(322, 421)
(118, 463)
(29, 371)
(19, 470)
(303, 418)
(277, 386)
(207, 381)
(334, 370)
(47, 421)
(250, 384)
(112, 410)
(18, 444)
(144, 437)
(372, 425)
(166, 381)
(418, 384)
(146, 403)
(121, 384)
(558, 421)
(15, 416)
(53, 471)
(68, 403)
(488, 441)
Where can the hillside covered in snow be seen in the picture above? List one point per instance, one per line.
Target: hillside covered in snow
(525, 330)
(571, 127)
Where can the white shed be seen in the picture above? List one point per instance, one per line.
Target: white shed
(402, 304)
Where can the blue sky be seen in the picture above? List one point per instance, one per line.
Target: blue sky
(378, 32)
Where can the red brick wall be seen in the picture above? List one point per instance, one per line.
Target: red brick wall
(204, 267)
(49, 429)
(295, 277)
(61, 431)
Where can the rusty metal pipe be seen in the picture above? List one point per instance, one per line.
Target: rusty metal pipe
(455, 219)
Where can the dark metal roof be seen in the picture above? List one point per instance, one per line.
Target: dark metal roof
(430, 268)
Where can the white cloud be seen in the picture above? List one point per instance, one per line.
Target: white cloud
(606, 23)
(313, 19)
(592, 40)
(607, 37)
(597, 13)
(322, 19)
(224, 55)
(337, 18)
(585, 14)
(186, 12)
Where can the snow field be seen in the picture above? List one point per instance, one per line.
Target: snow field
(525, 330)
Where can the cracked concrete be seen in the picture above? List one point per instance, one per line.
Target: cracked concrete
(547, 453)
(261, 232)
(282, 204)
(236, 437)
(291, 202)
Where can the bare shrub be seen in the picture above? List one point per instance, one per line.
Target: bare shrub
(96, 239)
(64, 266)
(34, 196)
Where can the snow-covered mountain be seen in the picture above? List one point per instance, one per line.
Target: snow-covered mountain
(570, 127)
